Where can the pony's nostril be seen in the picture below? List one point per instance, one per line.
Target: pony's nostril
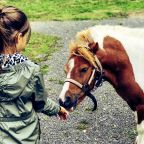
(67, 102)
(68, 98)
(61, 102)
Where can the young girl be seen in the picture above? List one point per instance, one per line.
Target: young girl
(22, 91)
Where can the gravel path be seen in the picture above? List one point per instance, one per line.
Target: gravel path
(112, 123)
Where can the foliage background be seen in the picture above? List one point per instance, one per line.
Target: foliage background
(77, 9)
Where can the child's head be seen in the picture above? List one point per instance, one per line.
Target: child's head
(14, 30)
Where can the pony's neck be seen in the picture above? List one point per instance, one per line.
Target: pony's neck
(131, 39)
(119, 73)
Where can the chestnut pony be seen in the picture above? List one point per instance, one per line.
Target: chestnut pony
(101, 53)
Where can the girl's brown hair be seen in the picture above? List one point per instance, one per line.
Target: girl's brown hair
(12, 22)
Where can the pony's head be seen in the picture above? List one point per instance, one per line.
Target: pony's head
(83, 71)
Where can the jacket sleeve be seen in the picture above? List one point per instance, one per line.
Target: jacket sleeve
(41, 102)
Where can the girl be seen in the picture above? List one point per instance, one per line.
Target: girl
(22, 91)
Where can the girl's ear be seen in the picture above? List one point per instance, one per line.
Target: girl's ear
(18, 38)
(94, 47)
(19, 42)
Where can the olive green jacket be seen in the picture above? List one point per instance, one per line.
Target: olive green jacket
(22, 94)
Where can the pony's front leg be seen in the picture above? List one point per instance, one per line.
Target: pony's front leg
(140, 131)
(140, 124)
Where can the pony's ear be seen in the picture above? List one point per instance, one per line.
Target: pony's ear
(94, 47)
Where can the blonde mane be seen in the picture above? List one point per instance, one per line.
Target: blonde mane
(82, 39)
(80, 46)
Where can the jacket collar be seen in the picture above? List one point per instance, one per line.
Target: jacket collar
(9, 60)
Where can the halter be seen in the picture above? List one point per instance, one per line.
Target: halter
(98, 70)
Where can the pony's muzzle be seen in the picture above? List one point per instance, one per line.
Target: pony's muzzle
(68, 104)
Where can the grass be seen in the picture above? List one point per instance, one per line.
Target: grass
(57, 81)
(40, 49)
(82, 125)
(131, 133)
(76, 9)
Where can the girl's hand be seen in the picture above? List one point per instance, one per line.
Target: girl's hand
(63, 113)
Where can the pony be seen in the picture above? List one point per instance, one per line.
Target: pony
(106, 53)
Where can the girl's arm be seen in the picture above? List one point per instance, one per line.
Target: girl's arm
(44, 104)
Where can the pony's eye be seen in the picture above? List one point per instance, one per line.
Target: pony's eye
(84, 70)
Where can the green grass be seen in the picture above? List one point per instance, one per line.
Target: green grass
(40, 49)
(57, 81)
(82, 125)
(76, 9)
(131, 133)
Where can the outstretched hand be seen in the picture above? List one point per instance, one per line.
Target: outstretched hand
(63, 113)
